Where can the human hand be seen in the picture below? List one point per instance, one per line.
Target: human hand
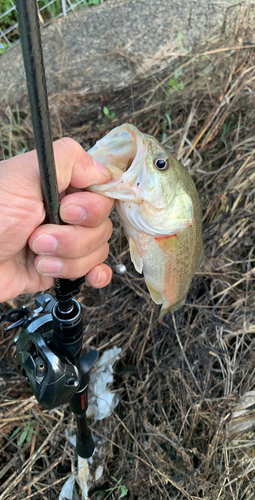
(31, 254)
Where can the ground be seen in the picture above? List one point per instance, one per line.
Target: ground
(106, 47)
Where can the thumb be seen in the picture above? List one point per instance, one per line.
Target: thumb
(75, 167)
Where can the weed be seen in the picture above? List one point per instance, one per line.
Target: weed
(26, 434)
(7, 21)
(11, 17)
(107, 113)
(174, 85)
(51, 10)
(180, 37)
(167, 123)
(122, 489)
(3, 47)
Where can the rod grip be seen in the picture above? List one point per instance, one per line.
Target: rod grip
(84, 442)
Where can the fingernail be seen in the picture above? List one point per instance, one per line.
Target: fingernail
(101, 168)
(101, 278)
(49, 266)
(45, 244)
(73, 213)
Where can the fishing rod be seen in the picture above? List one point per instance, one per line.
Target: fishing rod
(49, 341)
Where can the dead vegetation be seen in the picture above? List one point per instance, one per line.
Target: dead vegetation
(184, 426)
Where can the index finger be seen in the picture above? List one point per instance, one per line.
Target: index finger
(75, 167)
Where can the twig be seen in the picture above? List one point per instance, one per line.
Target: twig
(31, 461)
(185, 357)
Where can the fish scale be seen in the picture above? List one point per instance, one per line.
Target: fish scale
(159, 206)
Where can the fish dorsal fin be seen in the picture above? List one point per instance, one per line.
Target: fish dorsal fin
(169, 244)
(135, 256)
(155, 295)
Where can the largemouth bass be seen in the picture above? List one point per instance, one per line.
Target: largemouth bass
(158, 203)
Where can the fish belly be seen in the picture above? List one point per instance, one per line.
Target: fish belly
(168, 264)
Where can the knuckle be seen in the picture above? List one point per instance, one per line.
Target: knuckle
(69, 142)
(101, 208)
(98, 213)
(88, 247)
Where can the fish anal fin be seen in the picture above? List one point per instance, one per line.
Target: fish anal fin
(155, 295)
(169, 244)
(135, 256)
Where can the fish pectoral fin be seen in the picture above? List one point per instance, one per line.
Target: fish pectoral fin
(135, 256)
(155, 295)
(169, 244)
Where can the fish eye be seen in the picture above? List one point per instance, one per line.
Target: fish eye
(161, 163)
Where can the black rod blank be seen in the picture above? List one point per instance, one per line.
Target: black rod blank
(37, 93)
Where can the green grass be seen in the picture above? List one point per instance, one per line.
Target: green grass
(6, 22)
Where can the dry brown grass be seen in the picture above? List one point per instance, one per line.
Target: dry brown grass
(184, 426)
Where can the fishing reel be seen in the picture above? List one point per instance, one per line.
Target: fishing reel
(48, 347)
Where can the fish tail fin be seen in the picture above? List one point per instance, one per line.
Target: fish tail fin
(173, 308)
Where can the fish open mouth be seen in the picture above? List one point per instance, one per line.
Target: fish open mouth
(120, 149)
(129, 163)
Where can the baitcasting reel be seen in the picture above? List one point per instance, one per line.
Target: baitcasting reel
(48, 347)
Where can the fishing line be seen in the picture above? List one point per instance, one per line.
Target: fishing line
(128, 61)
(120, 268)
